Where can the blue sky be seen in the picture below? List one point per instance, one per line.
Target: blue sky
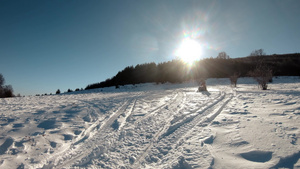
(61, 44)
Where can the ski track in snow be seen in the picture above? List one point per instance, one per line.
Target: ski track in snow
(90, 141)
(170, 139)
(168, 126)
(113, 138)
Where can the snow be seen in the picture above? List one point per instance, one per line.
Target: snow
(155, 126)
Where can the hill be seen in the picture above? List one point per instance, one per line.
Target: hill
(176, 71)
(155, 126)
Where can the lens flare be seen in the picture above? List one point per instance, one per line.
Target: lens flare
(189, 51)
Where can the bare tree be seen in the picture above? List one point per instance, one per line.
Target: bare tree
(223, 55)
(234, 78)
(257, 57)
(258, 52)
(262, 74)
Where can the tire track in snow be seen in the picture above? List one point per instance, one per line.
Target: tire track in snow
(165, 142)
(86, 142)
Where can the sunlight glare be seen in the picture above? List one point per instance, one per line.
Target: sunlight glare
(189, 51)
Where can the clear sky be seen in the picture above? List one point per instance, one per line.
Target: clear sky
(47, 45)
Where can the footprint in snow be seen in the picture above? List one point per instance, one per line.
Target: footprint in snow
(4, 147)
(257, 156)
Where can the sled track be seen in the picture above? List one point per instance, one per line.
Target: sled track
(157, 109)
(112, 139)
(105, 139)
(204, 117)
(168, 140)
(101, 138)
(88, 140)
(179, 99)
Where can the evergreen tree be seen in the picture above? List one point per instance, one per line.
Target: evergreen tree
(5, 90)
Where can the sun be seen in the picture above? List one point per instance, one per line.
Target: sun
(189, 51)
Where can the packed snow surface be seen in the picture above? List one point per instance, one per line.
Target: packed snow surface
(155, 126)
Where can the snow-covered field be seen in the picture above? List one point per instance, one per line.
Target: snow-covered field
(156, 126)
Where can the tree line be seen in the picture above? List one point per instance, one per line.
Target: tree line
(257, 64)
(222, 66)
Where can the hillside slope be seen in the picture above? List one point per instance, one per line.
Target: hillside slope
(155, 126)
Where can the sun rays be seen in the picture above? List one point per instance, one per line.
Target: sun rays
(189, 51)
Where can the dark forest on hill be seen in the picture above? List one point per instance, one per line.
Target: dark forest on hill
(176, 71)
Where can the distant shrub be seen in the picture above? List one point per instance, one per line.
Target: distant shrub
(69, 90)
(77, 89)
(57, 91)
